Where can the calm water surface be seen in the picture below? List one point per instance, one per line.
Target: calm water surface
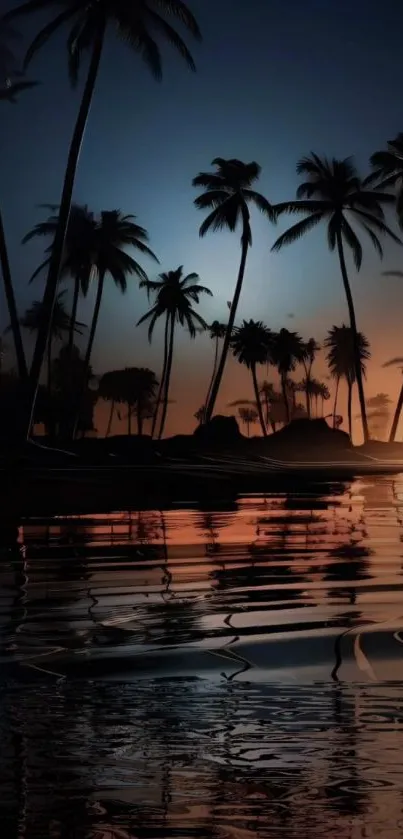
(195, 672)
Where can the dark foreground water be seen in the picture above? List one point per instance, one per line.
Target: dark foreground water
(229, 673)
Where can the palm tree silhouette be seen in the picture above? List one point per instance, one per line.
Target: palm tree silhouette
(174, 297)
(9, 91)
(138, 387)
(248, 416)
(32, 320)
(88, 22)
(266, 390)
(287, 350)
(113, 232)
(396, 362)
(250, 344)
(332, 193)
(387, 172)
(217, 333)
(228, 194)
(78, 252)
(341, 343)
(110, 391)
(311, 350)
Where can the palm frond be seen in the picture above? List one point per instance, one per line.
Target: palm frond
(297, 231)
(352, 240)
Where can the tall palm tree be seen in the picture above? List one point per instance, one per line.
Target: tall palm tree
(138, 25)
(396, 362)
(311, 349)
(387, 171)
(217, 333)
(114, 231)
(78, 254)
(250, 344)
(9, 91)
(340, 342)
(175, 294)
(228, 194)
(334, 193)
(248, 416)
(287, 350)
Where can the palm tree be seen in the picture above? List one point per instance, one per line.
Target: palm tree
(9, 91)
(248, 416)
(311, 350)
(78, 252)
(334, 192)
(266, 390)
(396, 362)
(144, 385)
(217, 333)
(323, 394)
(387, 172)
(228, 194)
(175, 294)
(88, 21)
(250, 344)
(340, 342)
(114, 231)
(287, 350)
(32, 321)
(110, 391)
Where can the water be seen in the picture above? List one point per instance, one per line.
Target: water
(234, 672)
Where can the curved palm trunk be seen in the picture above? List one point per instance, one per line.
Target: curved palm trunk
(285, 396)
(353, 325)
(167, 376)
(11, 305)
(396, 417)
(230, 326)
(163, 375)
(258, 402)
(335, 400)
(111, 413)
(87, 358)
(64, 215)
(73, 316)
(212, 378)
(349, 409)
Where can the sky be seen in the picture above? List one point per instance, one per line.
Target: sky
(274, 81)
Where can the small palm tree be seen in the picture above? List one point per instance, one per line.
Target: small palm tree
(228, 194)
(287, 350)
(311, 350)
(110, 391)
(387, 172)
(137, 389)
(341, 360)
(175, 294)
(217, 334)
(88, 22)
(332, 193)
(250, 344)
(248, 416)
(268, 394)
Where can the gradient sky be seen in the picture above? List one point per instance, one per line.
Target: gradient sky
(275, 80)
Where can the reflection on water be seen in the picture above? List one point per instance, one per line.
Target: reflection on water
(234, 672)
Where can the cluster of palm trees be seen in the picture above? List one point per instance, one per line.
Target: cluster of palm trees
(86, 247)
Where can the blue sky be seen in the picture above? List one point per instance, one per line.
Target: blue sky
(275, 80)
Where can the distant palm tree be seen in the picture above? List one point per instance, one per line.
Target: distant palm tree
(311, 350)
(79, 251)
(114, 231)
(32, 320)
(287, 350)
(248, 416)
(137, 389)
(266, 390)
(323, 394)
(217, 333)
(88, 21)
(387, 172)
(9, 91)
(110, 390)
(379, 414)
(396, 362)
(250, 344)
(228, 194)
(175, 294)
(340, 342)
(332, 192)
